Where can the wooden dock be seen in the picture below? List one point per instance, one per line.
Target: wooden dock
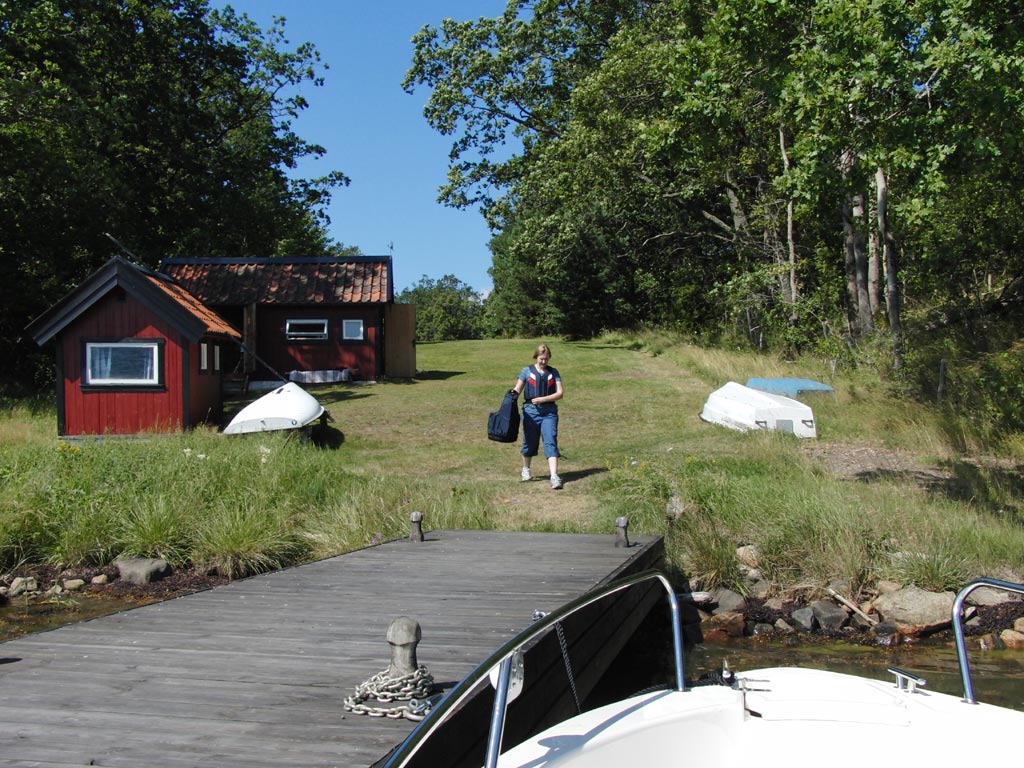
(254, 673)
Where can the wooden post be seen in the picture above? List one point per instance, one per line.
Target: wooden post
(416, 526)
(403, 637)
(621, 532)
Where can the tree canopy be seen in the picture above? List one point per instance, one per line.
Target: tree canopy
(446, 309)
(788, 170)
(162, 123)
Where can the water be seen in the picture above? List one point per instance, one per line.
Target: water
(647, 660)
(997, 676)
(22, 616)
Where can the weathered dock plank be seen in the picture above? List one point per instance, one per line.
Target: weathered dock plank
(254, 673)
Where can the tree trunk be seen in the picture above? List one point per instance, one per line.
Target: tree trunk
(855, 252)
(792, 294)
(739, 216)
(892, 296)
(874, 269)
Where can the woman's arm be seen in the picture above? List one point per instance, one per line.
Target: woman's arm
(551, 397)
(556, 395)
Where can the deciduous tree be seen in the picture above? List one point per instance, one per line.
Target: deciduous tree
(162, 122)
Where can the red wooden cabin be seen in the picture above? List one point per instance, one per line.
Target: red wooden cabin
(307, 314)
(135, 353)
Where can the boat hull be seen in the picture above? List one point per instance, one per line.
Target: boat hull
(287, 407)
(836, 719)
(745, 409)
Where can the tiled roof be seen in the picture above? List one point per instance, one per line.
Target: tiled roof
(214, 324)
(230, 282)
(156, 291)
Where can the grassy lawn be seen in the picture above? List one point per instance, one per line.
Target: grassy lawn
(920, 510)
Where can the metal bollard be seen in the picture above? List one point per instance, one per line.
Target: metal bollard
(416, 526)
(403, 637)
(621, 533)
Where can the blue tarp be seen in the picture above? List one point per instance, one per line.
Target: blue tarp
(789, 387)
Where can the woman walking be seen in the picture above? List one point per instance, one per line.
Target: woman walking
(542, 388)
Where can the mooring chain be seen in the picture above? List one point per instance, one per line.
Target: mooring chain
(414, 688)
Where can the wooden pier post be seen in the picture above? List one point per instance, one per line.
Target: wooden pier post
(403, 636)
(621, 532)
(416, 526)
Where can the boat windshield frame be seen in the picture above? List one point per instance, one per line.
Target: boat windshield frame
(501, 660)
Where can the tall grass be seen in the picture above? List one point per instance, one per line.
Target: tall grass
(632, 443)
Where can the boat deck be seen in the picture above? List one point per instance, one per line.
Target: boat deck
(254, 673)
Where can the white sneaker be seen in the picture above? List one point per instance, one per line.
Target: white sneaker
(525, 474)
(556, 482)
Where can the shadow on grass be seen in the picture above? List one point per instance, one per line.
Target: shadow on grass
(334, 395)
(435, 375)
(994, 490)
(327, 437)
(579, 474)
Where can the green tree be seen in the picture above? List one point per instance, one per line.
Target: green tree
(162, 122)
(773, 163)
(446, 309)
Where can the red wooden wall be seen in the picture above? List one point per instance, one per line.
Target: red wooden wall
(333, 354)
(102, 411)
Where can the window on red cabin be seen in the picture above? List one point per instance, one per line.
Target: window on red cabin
(204, 357)
(134, 362)
(305, 330)
(352, 330)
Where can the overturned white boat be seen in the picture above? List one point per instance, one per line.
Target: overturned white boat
(744, 409)
(762, 717)
(287, 407)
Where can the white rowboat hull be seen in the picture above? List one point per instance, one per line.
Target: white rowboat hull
(744, 409)
(287, 407)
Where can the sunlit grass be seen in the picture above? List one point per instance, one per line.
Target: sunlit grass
(632, 441)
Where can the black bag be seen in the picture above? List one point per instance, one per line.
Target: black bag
(503, 424)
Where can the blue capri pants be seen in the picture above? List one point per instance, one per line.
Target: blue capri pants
(540, 422)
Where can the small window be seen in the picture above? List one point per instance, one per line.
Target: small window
(305, 330)
(352, 330)
(216, 357)
(122, 363)
(204, 356)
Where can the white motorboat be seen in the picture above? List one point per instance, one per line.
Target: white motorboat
(744, 408)
(287, 407)
(766, 717)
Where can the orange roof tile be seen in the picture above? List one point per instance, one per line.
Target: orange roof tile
(214, 324)
(231, 282)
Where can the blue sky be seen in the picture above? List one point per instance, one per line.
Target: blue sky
(375, 133)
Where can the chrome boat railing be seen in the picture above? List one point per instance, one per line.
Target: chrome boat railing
(503, 660)
(958, 627)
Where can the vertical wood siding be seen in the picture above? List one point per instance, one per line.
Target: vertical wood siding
(333, 354)
(112, 412)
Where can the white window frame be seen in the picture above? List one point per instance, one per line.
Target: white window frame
(347, 334)
(204, 356)
(293, 331)
(94, 377)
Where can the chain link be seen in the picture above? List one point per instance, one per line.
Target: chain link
(414, 688)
